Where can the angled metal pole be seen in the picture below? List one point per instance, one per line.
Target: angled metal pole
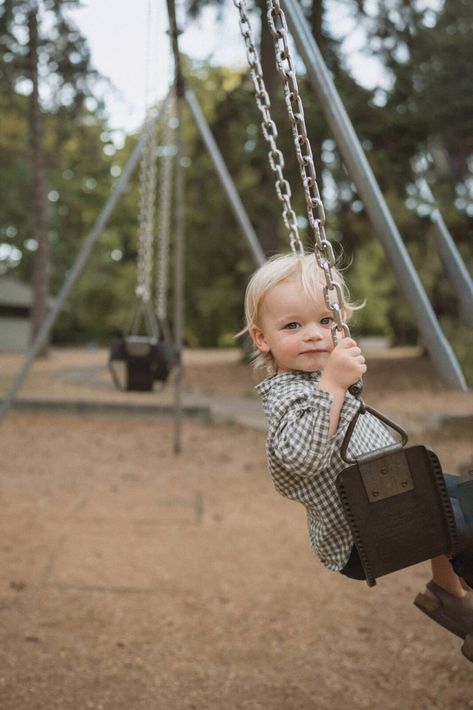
(454, 266)
(226, 180)
(74, 273)
(439, 348)
(451, 259)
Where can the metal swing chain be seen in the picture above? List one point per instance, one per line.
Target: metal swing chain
(315, 210)
(146, 210)
(165, 186)
(269, 128)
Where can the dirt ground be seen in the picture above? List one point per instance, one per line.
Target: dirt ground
(133, 578)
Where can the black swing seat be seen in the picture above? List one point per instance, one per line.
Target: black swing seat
(398, 509)
(147, 360)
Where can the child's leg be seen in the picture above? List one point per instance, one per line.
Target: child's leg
(444, 575)
(447, 602)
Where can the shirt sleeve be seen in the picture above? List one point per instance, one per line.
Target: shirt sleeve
(301, 442)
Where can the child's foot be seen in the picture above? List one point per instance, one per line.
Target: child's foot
(451, 612)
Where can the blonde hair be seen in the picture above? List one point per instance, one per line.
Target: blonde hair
(286, 267)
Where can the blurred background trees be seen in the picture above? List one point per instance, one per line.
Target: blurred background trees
(423, 110)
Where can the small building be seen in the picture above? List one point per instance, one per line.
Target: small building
(15, 306)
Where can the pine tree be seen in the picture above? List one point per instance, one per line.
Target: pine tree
(53, 67)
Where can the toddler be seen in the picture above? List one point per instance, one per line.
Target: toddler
(308, 407)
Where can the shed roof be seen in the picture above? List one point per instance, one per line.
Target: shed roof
(14, 292)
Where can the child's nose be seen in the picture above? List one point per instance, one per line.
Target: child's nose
(313, 332)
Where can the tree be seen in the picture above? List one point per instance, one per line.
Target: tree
(39, 188)
(428, 51)
(81, 164)
(59, 65)
(428, 113)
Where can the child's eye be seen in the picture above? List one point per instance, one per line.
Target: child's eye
(328, 320)
(292, 326)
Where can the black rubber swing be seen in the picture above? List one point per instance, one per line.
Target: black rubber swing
(398, 507)
(147, 361)
(149, 358)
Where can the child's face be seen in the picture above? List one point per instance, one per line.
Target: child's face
(294, 328)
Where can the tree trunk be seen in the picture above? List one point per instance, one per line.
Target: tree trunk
(316, 16)
(268, 60)
(39, 203)
(268, 227)
(316, 20)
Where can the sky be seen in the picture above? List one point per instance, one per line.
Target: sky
(130, 46)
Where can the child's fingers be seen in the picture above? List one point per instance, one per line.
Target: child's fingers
(349, 344)
(345, 343)
(353, 352)
(355, 357)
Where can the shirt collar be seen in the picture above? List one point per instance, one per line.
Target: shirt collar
(350, 406)
(264, 387)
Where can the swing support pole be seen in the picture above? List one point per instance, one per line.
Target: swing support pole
(179, 215)
(179, 251)
(454, 266)
(439, 348)
(75, 271)
(225, 178)
(452, 261)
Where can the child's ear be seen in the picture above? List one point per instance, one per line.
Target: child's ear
(259, 340)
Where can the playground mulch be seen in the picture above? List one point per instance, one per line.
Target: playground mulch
(134, 578)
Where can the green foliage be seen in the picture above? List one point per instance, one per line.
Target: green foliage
(376, 293)
(427, 109)
(428, 52)
(64, 56)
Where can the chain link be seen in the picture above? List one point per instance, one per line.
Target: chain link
(333, 294)
(165, 187)
(146, 209)
(269, 128)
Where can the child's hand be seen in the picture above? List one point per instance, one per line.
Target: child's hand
(344, 367)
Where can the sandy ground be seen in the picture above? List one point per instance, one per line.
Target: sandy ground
(132, 578)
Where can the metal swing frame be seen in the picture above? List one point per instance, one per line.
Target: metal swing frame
(94, 235)
(353, 155)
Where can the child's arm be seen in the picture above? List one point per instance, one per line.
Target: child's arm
(345, 366)
(309, 417)
(301, 442)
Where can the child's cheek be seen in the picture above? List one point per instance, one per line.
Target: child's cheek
(291, 341)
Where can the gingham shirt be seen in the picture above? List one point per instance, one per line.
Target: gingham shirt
(304, 461)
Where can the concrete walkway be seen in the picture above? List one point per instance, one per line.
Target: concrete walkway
(239, 410)
(218, 387)
(79, 382)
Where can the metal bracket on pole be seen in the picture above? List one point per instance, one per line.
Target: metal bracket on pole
(77, 268)
(225, 178)
(439, 348)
